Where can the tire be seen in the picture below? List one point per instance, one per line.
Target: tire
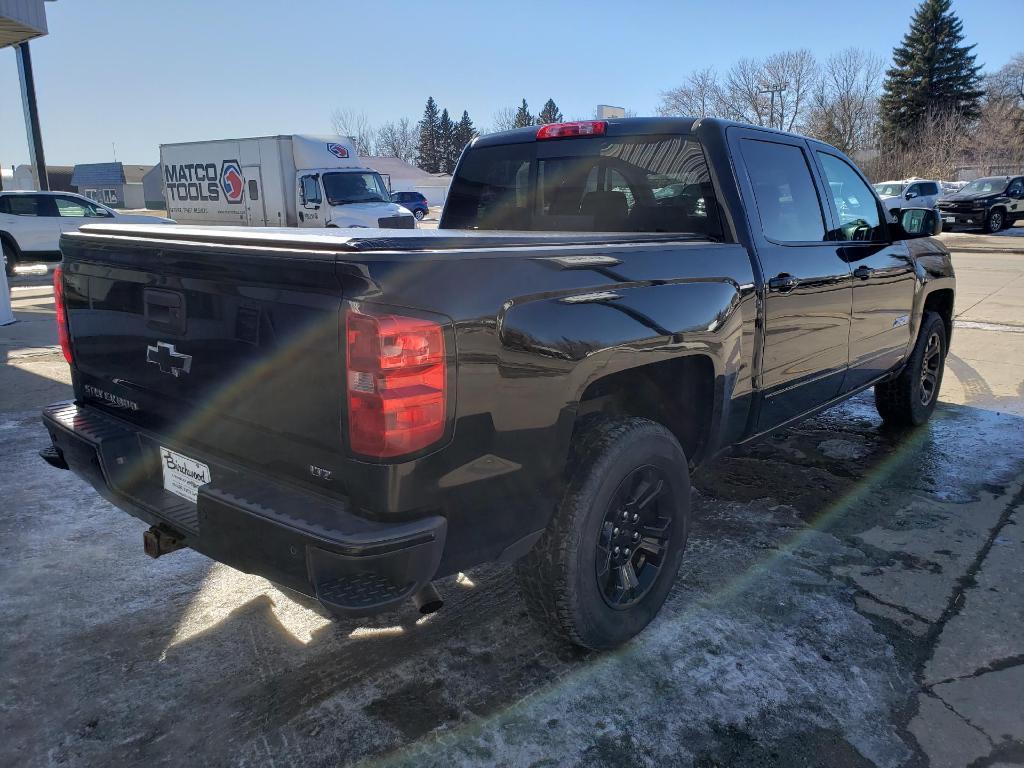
(573, 582)
(419, 215)
(995, 221)
(8, 256)
(909, 399)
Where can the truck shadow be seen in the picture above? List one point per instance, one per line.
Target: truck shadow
(273, 671)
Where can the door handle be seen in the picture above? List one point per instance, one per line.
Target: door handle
(863, 272)
(783, 283)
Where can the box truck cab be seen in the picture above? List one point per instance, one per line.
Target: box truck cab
(277, 181)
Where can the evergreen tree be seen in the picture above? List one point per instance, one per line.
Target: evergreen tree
(465, 132)
(523, 116)
(429, 154)
(446, 143)
(932, 71)
(550, 113)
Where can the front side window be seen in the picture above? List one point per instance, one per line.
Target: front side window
(859, 218)
(1016, 188)
(69, 206)
(787, 202)
(642, 183)
(914, 190)
(310, 190)
(344, 188)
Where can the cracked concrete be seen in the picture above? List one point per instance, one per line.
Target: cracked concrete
(990, 626)
(991, 702)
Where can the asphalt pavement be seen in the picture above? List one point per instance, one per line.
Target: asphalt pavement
(851, 596)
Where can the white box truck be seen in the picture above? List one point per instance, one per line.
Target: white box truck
(276, 181)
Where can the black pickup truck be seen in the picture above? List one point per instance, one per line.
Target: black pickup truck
(354, 415)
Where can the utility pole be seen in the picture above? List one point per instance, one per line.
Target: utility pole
(28, 98)
(777, 88)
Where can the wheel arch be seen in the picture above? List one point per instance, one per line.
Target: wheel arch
(679, 393)
(941, 301)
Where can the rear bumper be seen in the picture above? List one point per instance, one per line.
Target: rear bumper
(296, 538)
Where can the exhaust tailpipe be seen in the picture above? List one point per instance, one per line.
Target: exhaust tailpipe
(427, 600)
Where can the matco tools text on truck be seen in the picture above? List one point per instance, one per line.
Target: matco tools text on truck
(276, 181)
(354, 416)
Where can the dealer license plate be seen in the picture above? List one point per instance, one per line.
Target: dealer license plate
(183, 476)
(950, 220)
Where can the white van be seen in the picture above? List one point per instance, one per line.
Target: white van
(276, 181)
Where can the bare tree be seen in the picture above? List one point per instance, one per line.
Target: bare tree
(844, 103)
(699, 96)
(398, 139)
(938, 145)
(355, 125)
(999, 135)
(772, 92)
(503, 119)
(796, 72)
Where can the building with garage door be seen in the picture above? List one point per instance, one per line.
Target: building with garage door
(114, 184)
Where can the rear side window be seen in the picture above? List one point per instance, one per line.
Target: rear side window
(929, 188)
(787, 202)
(599, 184)
(23, 205)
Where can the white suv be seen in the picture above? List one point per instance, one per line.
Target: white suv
(31, 223)
(909, 193)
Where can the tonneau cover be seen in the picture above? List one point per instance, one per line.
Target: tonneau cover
(363, 239)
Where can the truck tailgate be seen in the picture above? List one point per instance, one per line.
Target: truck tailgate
(232, 352)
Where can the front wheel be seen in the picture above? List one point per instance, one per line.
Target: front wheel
(909, 399)
(610, 555)
(995, 221)
(8, 257)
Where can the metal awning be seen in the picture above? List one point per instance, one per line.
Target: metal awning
(20, 21)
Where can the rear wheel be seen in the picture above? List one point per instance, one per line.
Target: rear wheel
(995, 221)
(610, 555)
(909, 399)
(419, 215)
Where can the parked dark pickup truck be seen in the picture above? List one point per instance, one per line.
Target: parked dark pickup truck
(607, 304)
(992, 204)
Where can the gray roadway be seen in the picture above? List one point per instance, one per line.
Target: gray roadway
(851, 597)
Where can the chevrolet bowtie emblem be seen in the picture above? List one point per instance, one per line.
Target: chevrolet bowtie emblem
(168, 358)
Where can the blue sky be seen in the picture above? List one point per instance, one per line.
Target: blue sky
(138, 74)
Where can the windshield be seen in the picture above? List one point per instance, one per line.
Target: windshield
(600, 184)
(984, 186)
(889, 190)
(351, 187)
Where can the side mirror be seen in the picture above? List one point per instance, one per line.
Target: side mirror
(918, 222)
(910, 195)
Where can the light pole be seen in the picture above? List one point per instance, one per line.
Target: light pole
(778, 88)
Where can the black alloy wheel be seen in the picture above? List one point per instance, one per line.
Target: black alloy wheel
(634, 537)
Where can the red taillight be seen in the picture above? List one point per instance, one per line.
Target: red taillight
(396, 383)
(63, 336)
(577, 128)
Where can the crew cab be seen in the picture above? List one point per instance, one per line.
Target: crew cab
(606, 304)
(992, 203)
(31, 223)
